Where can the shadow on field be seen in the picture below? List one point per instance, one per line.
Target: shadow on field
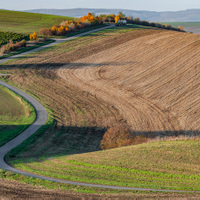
(56, 141)
(53, 66)
(51, 141)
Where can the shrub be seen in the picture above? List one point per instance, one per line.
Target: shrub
(104, 19)
(18, 45)
(109, 19)
(33, 36)
(23, 43)
(3, 49)
(117, 18)
(118, 136)
(45, 31)
(181, 28)
(168, 26)
(87, 23)
(90, 17)
(11, 46)
(64, 23)
(72, 26)
(53, 29)
(60, 30)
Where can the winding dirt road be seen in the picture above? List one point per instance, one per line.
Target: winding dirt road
(105, 75)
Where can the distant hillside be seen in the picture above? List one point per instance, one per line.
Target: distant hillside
(23, 22)
(183, 16)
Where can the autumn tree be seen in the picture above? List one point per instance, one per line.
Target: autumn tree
(121, 15)
(33, 36)
(117, 18)
(181, 28)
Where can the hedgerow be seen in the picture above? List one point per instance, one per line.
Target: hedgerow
(71, 26)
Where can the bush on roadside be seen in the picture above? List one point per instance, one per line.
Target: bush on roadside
(118, 136)
(153, 24)
(71, 26)
(33, 36)
(12, 47)
(181, 28)
(45, 31)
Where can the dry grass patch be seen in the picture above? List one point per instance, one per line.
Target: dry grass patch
(11, 107)
(15, 115)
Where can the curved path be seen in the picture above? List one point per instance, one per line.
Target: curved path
(40, 120)
(57, 41)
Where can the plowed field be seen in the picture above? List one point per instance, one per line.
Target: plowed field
(148, 79)
(152, 80)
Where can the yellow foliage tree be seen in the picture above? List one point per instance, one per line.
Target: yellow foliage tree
(53, 29)
(31, 37)
(91, 18)
(181, 28)
(117, 18)
(98, 19)
(35, 37)
(84, 18)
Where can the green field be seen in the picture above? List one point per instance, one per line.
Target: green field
(22, 22)
(15, 115)
(193, 27)
(184, 24)
(158, 165)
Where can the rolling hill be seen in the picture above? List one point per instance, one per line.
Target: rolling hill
(153, 81)
(171, 16)
(23, 22)
(146, 79)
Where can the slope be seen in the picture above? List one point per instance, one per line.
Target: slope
(123, 54)
(23, 22)
(153, 81)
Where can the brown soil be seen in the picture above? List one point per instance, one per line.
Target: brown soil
(153, 80)
(15, 190)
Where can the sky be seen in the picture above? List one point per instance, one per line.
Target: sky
(151, 5)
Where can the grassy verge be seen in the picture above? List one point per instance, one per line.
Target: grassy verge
(28, 48)
(16, 115)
